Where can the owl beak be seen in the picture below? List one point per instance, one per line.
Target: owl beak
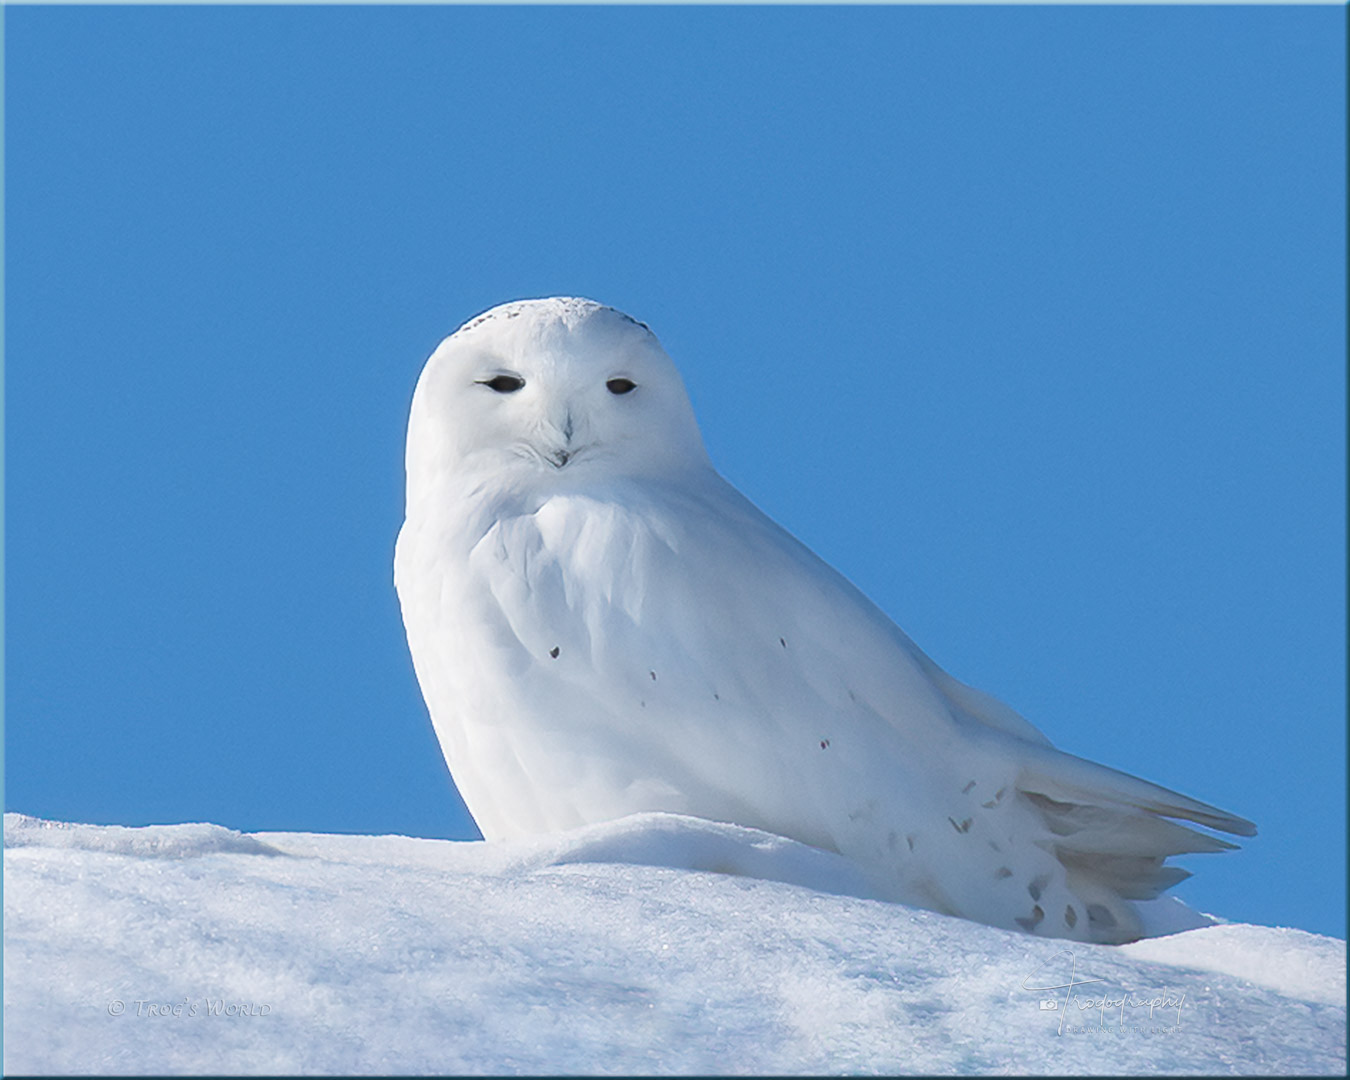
(561, 455)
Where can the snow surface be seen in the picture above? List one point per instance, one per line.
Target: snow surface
(656, 944)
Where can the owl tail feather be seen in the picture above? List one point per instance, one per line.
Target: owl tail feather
(1112, 834)
(1066, 778)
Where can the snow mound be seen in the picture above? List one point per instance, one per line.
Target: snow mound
(1292, 962)
(150, 842)
(685, 843)
(581, 954)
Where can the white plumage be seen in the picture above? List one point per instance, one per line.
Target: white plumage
(602, 625)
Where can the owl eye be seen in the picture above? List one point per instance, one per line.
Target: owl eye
(503, 384)
(620, 386)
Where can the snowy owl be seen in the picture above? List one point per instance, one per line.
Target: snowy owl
(602, 625)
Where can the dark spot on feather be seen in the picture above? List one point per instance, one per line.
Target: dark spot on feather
(1002, 872)
(1070, 917)
(1037, 885)
(653, 675)
(994, 846)
(1034, 921)
(782, 643)
(967, 788)
(824, 743)
(910, 841)
(852, 696)
(1100, 916)
(553, 652)
(717, 697)
(963, 827)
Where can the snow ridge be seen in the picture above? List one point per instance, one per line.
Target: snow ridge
(154, 842)
(177, 950)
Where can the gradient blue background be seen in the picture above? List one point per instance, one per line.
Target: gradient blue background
(1031, 321)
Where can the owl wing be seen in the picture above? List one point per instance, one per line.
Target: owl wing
(674, 649)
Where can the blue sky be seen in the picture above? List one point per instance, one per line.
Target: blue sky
(1030, 320)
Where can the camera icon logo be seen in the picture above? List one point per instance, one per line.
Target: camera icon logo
(1049, 1006)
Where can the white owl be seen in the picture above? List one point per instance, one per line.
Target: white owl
(602, 625)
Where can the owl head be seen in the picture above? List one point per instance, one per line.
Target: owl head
(555, 392)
